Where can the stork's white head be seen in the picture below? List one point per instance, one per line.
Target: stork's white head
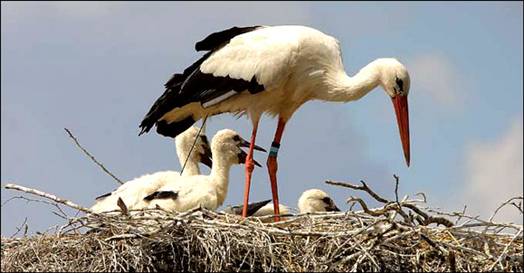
(226, 145)
(201, 151)
(394, 78)
(316, 200)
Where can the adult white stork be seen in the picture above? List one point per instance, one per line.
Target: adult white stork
(274, 70)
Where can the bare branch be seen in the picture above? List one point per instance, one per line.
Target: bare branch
(92, 157)
(18, 229)
(396, 188)
(509, 201)
(122, 206)
(46, 195)
(364, 187)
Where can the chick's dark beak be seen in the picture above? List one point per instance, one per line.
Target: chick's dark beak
(245, 143)
(242, 156)
(205, 158)
(333, 208)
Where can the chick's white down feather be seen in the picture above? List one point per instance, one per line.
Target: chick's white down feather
(313, 201)
(134, 191)
(310, 201)
(208, 191)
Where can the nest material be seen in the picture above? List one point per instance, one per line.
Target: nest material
(202, 240)
(401, 235)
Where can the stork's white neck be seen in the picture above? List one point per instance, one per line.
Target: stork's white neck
(192, 167)
(220, 176)
(342, 88)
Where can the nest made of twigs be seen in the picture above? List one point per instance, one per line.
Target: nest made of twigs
(202, 240)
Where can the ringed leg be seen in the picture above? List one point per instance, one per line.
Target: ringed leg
(272, 165)
(250, 165)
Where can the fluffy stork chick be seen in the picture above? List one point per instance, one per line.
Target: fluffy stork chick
(208, 191)
(133, 192)
(313, 200)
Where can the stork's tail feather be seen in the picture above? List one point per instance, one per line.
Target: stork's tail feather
(174, 128)
(146, 125)
(144, 129)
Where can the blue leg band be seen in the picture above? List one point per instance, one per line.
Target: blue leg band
(274, 149)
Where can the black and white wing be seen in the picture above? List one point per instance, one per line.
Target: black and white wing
(238, 59)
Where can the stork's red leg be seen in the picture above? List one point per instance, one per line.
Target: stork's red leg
(272, 165)
(250, 165)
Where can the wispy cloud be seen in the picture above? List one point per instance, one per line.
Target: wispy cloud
(436, 76)
(494, 173)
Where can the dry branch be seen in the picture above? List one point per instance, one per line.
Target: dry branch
(92, 157)
(393, 205)
(46, 195)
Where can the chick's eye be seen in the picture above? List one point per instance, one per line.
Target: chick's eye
(236, 138)
(327, 200)
(400, 84)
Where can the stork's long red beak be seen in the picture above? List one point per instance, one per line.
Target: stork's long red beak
(400, 103)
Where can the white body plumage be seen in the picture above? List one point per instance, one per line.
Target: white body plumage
(133, 191)
(208, 191)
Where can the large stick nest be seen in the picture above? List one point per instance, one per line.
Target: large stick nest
(401, 235)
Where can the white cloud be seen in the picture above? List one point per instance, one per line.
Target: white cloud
(494, 174)
(435, 75)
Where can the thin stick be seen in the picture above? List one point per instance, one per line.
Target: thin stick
(505, 250)
(193, 146)
(396, 188)
(92, 157)
(364, 187)
(504, 204)
(46, 195)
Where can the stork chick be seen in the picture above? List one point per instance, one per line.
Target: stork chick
(209, 191)
(133, 191)
(311, 201)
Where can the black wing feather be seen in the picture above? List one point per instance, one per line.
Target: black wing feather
(217, 39)
(251, 207)
(161, 195)
(103, 196)
(195, 86)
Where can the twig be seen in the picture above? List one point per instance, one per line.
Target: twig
(503, 205)
(46, 195)
(375, 212)
(92, 157)
(396, 189)
(122, 206)
(364, 187)
(24, 224)
(427, 218)
(193, 146)
(505, 250)
(518, 206)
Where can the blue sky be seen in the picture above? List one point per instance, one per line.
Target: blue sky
(96, 67)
